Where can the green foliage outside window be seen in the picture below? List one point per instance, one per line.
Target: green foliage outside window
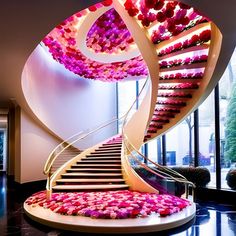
(230, 128)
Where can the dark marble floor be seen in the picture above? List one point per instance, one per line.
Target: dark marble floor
(211, 219)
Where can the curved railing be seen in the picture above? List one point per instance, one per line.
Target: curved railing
(136, 125)
(162, 178)
(174, 100)
(137, 159)
(62, 147)
(58, 150)
(81, 136)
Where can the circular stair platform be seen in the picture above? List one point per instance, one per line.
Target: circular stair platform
(151, 223)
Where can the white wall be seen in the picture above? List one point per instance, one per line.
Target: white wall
(35, 147)
(65, 103)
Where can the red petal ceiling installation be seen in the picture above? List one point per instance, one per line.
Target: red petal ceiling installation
(108, 36)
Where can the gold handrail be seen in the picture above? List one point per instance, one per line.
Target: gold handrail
(181, 179)
(158, 172)
(53, 157)
(165, 175)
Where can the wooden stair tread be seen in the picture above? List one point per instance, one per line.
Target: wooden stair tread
(185, 50)
(111, 144)
(106, 151)
(92, 169)
(92, 174)
(88, 180)
(100, 161)
(180, 36)
(165, 81)
(171, 106)
(183, 67)
(103, 154)
(109, 148)
(97, 165)
(101, 158)
(81, 187)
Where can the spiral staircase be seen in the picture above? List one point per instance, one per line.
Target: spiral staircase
(179, 79)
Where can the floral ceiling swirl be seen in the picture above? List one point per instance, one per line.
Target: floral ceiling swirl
(109, 36)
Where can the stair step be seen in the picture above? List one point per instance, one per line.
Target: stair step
(166, 81)
(185, 50)
(147, 136)
(106, 152)
(92, 175)
(88, 180)
(152, 130)
(93, 170)
(89, 187)
(85, 161)
(169, 109)
(172, 103)
(156, 126)
(112, 144)
(185, 67)
(108, 148)
(177, 94)
(160, 120)
(163, 114)
(104, 155)
(178, 88)
(101, 158)
(95, 165)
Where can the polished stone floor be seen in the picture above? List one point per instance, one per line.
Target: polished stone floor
(211, 219)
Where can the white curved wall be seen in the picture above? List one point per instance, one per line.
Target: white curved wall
(34, 148)
(65, 103)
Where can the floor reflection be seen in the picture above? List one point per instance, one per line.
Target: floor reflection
(3, 198)
(210, 220)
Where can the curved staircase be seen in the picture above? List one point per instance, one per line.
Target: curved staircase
(176, 49)
(180, 63)
(98, 171)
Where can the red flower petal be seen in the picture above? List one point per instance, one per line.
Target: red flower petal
(92, 8)
(107, 3)
(161, 17)
(159, 5)
(150, 3)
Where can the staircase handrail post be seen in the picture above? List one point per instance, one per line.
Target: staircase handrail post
(48, 188)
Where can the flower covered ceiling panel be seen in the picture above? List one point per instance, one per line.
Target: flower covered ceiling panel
(109, 34)
(96, 44)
